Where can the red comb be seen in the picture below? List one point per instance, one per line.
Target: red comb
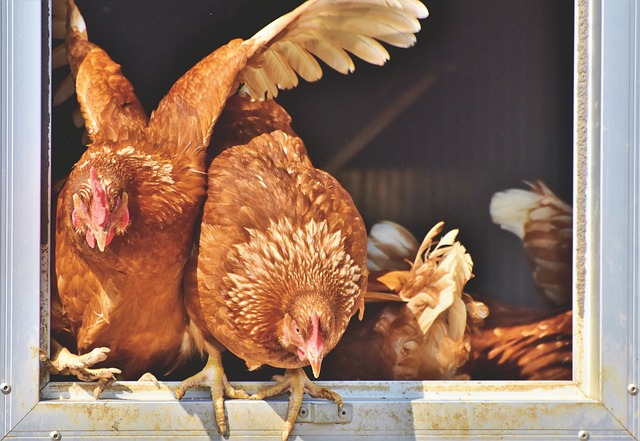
(99, 200)
(315, 339)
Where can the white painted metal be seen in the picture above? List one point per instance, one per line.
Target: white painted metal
(21, 137)
(596, 405)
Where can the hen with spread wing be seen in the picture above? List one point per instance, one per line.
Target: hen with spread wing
(125, 216)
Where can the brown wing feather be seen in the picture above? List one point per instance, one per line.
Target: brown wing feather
(548, 241)
(537, 349)
(198, 97)
(110, 109)
(544, 223)
(109, 106)
(244, 119)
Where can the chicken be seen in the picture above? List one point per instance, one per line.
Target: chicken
(124, 224)
(125, 217)
(544, 224)
(524, 343)
(421, 331)
(281, 266)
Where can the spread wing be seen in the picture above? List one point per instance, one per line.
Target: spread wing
(328, 30)
(274, 57)
(108, 103)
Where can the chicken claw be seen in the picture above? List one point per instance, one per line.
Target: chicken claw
(150, 377)
(296, 382)
(213, 376)
(63, 362)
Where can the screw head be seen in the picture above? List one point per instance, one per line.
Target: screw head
(583, 435)
(5, 388)
(632, 389)
(55, 435)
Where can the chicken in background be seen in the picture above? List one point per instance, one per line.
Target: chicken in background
(544, 224)
(418, 320)
(126, 214)
(281, 264)
(525, 343)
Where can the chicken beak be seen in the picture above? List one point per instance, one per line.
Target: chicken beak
(101, 238)
(316, 364)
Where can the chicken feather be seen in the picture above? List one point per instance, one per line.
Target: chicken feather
(388, 247)
(324, 28)
(336, 21)
(544, 223)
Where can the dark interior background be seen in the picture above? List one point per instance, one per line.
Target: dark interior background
(481, 103)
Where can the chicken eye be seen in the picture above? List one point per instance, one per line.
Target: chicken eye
(408, 347)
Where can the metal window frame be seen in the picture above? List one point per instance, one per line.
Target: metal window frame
(601, 402)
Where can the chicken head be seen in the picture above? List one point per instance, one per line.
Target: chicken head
(98, 212)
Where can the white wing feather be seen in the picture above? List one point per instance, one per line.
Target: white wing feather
(335, 57)
(389, 246)
(510, 209)
(328, 30)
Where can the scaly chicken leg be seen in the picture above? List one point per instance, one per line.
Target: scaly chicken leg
(213, 377)
(297, 383)
(63, 362)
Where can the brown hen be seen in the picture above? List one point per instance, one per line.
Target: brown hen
(524, 343)
(281, 266)
(421, 328)
(544, 223)
(126, 214)
(124, 222)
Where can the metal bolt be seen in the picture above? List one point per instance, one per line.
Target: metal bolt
(55, 435)
(303, 412)
(632, 389)
(5, 388)
(583, 435)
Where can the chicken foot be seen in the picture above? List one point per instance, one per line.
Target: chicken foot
(297, 383)
(213, 377)
(63, 362)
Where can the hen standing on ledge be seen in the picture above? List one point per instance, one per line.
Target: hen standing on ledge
(281, 267)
